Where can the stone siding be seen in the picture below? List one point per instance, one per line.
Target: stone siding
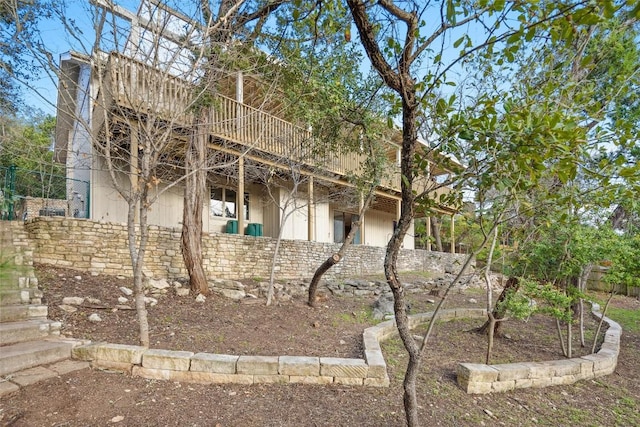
(101, 248)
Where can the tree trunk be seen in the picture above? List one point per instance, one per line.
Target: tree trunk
(582, 285)
(194, 196)
(324, 267)
(335, 258)
(490, 334)
(512, 285)
(272, 275)
(604, 313)
(137, 253)
(561, 338)
(409, 136)
(435, 232)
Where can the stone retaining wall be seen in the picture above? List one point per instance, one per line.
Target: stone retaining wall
(480, 378)
(208, 368)
(101, 248)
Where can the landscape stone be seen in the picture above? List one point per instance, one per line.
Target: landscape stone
(72, 301)
(95, 317)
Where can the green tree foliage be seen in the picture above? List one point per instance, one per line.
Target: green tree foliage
(27, 145)
(624, 262)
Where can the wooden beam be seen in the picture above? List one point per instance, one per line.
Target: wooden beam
(311, 214)
(428, 226)
(240, 196)
(453, 236)
(133, 165)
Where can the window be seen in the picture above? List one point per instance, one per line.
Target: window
(223, 203)
(342, 223)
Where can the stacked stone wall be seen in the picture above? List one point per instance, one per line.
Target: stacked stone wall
(101, 248)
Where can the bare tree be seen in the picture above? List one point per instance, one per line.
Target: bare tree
(221, 27)
(398, 38)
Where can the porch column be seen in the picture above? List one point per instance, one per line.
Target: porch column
(453, 238)
(240, 195)
(428, 227)
(133, 165)
(311, 212)
(398, 215)
(361, 220)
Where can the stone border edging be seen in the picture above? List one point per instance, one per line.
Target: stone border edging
(482, 379)
(208, 368)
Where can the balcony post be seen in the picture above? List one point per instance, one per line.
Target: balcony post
(240, 195)
(453, 238)
(240, 87)
(134, 172)
(240, 132)
(361, 219)
(311, 214)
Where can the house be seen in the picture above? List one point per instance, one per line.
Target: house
(151, 77)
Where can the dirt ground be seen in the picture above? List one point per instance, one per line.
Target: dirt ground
(96, 398)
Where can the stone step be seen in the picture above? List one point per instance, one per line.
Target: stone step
(27, 330)
(10, 296)
(16, 357)
(15, 313)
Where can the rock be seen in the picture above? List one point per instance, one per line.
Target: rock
(117, 419)
(473, 300)
(94, 317)
(68, 308)
(177, 284)
(232, 293)
(201, 298)
(123, 300)
(122, 307)
(159, 284)
(430, 301)
(182, 292)
(383, 306)
(128, 292)
(78, 278)
(226, 284)
(72, 300)
(91, 300)
(449, 269)
(151, 301)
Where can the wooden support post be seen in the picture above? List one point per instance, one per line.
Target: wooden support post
(240, 131)
(453, 236)
(240, 196)
(311, 212)
(428, 227)
(361, 219)
(134, 171)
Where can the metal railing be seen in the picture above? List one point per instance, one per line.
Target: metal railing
(25, 194)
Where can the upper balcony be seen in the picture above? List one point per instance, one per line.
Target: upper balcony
(134, 88)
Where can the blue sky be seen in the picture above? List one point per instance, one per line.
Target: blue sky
(43, 94)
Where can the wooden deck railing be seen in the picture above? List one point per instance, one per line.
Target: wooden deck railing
(143, 89)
